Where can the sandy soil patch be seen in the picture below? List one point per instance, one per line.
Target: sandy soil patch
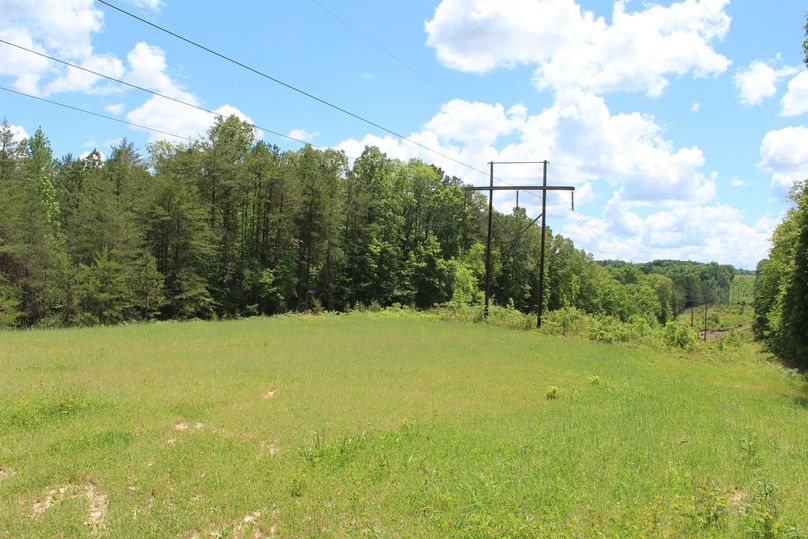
(269, 393)
(96, 502)
(270, 448)
(98, 509)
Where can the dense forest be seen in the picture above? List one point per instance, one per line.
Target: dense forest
(228, 226)
(781, 292)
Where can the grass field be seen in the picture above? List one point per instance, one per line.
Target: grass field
(363, 425)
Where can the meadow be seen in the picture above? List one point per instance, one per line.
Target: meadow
(385, 426)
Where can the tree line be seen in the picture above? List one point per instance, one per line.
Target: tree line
(781, 291)
(229, 226)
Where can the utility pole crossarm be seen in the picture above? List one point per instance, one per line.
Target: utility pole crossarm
(521, 188)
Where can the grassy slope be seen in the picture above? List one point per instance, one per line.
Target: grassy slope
(392, 428)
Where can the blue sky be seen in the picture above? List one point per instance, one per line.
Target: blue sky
(681, 123)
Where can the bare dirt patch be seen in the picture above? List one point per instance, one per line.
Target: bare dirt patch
(738, 498)
(270, 448)
(96, 502)
(182, 425)
(5, 474)
(98, 509)
(269, 393)
(246, 527)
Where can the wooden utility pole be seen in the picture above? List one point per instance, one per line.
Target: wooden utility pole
(543, 188)
(540, 306)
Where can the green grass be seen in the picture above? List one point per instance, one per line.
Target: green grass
(720, 317)
(367, 425)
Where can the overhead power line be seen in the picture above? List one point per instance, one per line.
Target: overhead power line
(381, 48)
(142, 89)
(289, 86)
(85, 111)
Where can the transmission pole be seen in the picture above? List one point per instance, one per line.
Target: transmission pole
(543, 188)
(541, 256)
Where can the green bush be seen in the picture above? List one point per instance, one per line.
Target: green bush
(566, 321)
(678, 336)
(609, 329)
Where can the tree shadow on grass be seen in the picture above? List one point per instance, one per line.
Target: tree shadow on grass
(801, 402)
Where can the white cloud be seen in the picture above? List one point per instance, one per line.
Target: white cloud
(26, 68)
(154, 5)
(61, 28)
(64, 26)
(18, 133)
(302, 134)
(115, 108)
(784, 154)
(738, 182)
(695, 107)
(148, 68)
(87, 153)
(75, 80)
(584, 141)
(759, 81)
(700, 233)
(475, 124)
(572, 48)
(178, 119)
(795, 102)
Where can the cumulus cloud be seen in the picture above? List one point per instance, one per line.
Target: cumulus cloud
(475, 124)
(76, 80)
(784, 154)
(148, 68)
(18, 133)
(578, 133)
(795, 102)
(302, 134)
(115, 108)
(61, 27)
(759, 81)
(700, 233)
(178, 119)
(695, 107)
(572, 48)
(154, 5)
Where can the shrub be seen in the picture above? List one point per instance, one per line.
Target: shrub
(609, 329)
(678, 336)
(566, 321)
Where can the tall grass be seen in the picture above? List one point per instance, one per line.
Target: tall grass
(382, 424)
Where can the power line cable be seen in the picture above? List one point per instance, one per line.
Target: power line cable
(381, 48)
(588, 227)
(142, 89)
(289, 86)
(240, 54)
(85, 111)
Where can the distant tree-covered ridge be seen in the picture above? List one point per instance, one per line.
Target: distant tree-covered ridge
(228, 226)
